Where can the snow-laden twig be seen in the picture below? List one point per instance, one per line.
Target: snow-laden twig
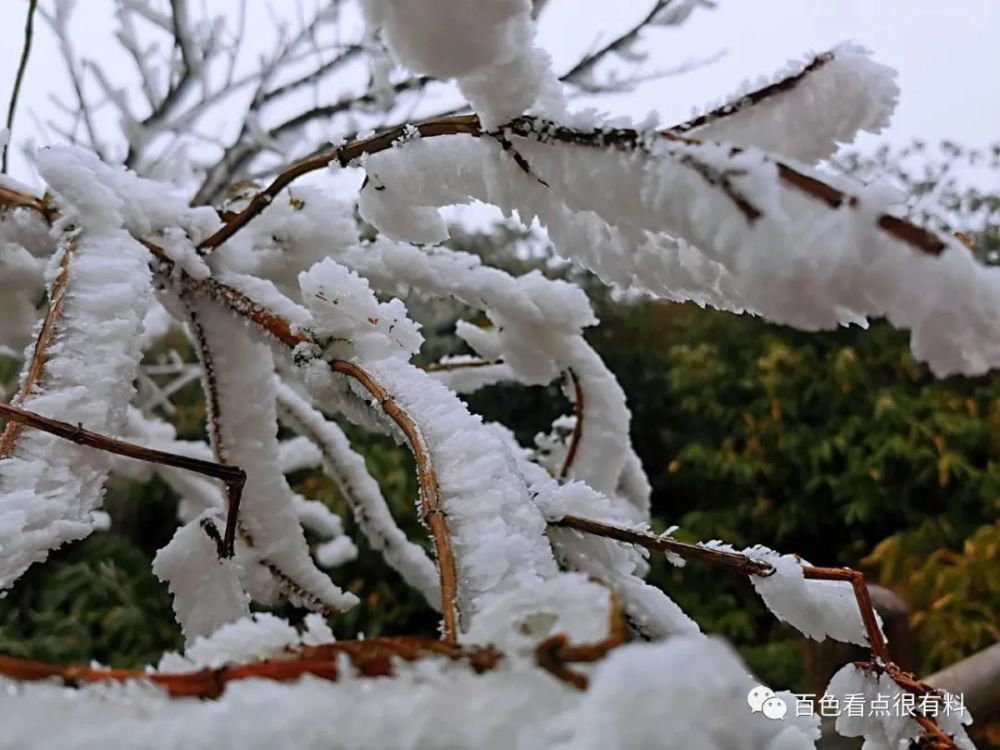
(808, 110)
(238, 376)
(361, 491)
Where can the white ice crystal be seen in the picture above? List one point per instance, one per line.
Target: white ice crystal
(819, 609)
(892, 728)
(568, 604)
(347, 314)
(362, 493)
(719, 226)
(206, 590)
(846, 93)
(243, 425)
(487, 46)
(49, 487)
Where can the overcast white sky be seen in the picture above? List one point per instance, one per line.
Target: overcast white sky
(946, 54)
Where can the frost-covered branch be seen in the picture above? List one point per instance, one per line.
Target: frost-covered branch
(232, 476)
(361, 491)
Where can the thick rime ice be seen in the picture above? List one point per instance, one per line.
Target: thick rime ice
(362, 493)
(537, 330)
(348, 316)
(206, 589)
(497, 533)
(50, 487)
(568, 604)
(94, 194)
(297, 230)
(250, 638)
(815, 106)
(819, 609)
(21, 284)
(487, 46)
(239, 373)
(636, 699)
(719, 226)
(704, 213)
(893, 728)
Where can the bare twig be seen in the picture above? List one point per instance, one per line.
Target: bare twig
(589, 62)
(29, 28)
(732, 560)
(232, 476)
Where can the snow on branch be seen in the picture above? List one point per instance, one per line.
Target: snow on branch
(806, 111)
(361, 491)
(488, 47)
(80, 371)
(539, 555)
(238, 376)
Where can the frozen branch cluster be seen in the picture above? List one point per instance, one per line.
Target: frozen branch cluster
(299, 317)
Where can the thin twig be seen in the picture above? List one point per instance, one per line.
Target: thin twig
(754, 97)
(732, 560)
(589, 62)
(741, 563)
(232, 476)
(29, 28)
(40, 353)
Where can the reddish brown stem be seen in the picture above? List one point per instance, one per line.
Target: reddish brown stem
(40, 353)
(732, 560)
(233, 477)
(857, 580)
(430, 495)
(742, 564)
(371, 657)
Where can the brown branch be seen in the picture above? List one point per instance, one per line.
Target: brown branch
(430, 496)
(741, 563)
(10, 199)
(29, 27)
(589, 62)
(754, 97)
(40, 353)
(732, 560)
(545, 131)
(578, 408)
(554, 654)
(876, 642)
(232, 476)
(371, 657)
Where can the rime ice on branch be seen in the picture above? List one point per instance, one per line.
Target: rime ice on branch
(539, 554)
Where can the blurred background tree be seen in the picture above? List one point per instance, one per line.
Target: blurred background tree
(837, 445)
